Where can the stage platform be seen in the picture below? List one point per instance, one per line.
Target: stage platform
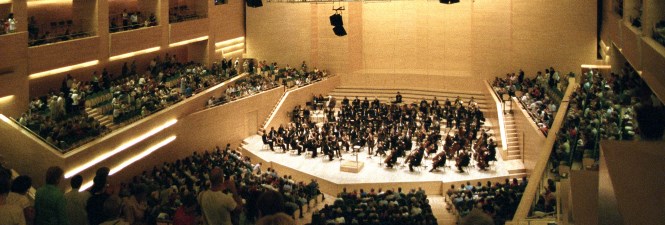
(375, 173)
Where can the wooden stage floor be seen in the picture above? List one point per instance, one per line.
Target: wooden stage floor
(373, 173)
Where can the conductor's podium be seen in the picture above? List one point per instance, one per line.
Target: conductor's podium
(352, 166)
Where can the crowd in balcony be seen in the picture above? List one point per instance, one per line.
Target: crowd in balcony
(8, 25)
(131, 20)
(497, 200)
(263, 76)
(184, 13)
(602, 108)
(540, 95)
(372, 207)
(59, 117)
(178, 193)
(54, 31)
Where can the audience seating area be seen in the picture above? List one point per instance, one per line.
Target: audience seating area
(184, 13)
(377, 207)
(500, 201)
(124, 21)
(602, 107)
(54, 31)
(540, 96)
(177, 180)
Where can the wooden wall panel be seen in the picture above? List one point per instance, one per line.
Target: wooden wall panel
(62, 54)
(188, 30)
(135, 40)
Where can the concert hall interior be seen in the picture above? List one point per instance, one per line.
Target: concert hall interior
(332, 112)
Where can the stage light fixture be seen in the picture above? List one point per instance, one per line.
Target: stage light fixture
(339, 31)
(254, 3)
(336, 20)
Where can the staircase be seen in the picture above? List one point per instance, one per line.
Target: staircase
(514, 150)
(104, 120)
(273, 111)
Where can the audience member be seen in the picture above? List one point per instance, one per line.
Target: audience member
(9, 214)
(217, 205)
(77, 201)
(50, 203)
(18, 197)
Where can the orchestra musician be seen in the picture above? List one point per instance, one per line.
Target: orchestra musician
(267, 141)
(463, 160)
(439, 160)
(415, 158)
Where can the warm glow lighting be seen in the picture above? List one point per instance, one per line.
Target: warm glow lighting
(128, 162)
(139, 52)
(5, 1)
(227, 48)
(189, 41)
(63, 69)
(33, 3)
(596, 66)
(141, 155)
(119, 149)
(6, 99)
(233, 52)
(4, 118)
(229, 42)
(85, 186)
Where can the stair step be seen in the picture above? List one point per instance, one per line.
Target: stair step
(516, 171)
(511, 157)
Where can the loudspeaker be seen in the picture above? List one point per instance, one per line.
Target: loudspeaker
(254, 3)
(336, 20)
(339, 31)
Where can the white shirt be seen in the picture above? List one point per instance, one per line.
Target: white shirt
(216, 207)
(11, 215)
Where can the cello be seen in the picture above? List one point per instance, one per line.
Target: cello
(439, 160)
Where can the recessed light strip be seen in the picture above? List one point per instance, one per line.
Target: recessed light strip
(233, 52)
(119, 149)
(189, 41)
(135, 53)
(229, 42)
(128, 162)
(63, 69)
(6, 99)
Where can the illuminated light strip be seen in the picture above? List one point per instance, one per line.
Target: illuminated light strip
(6, 98)
(230, 41)
(4, 118)
(133, 160)
(63, 69)
(135, 53)
(239, 45)
(188, 41)
(119, 149)
(141, 155)
(233, 52)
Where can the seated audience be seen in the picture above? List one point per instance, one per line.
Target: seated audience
(390, 207)
(497, 200)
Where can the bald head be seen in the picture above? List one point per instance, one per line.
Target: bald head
(216, 176)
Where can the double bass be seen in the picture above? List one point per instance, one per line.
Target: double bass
(391, 159)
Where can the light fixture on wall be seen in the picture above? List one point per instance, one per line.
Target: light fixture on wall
(337, 22)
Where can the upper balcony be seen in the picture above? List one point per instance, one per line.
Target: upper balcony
(135, 40)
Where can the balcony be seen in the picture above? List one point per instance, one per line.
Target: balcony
(135, 40)
(188, 30)
(62, 54)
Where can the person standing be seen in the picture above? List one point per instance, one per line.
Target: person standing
(76, 202)
(215, 204)
(9, 214)
(50, 203)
